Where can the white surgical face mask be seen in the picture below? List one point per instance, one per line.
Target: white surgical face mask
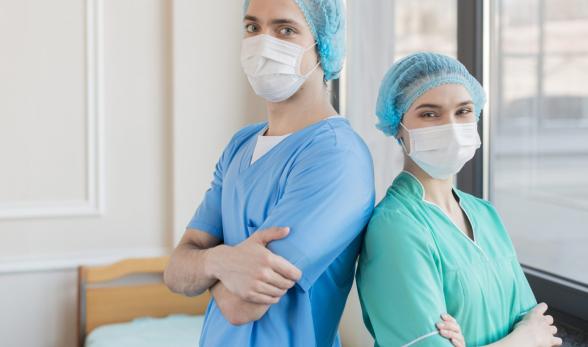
(273, 66)
(441, 151)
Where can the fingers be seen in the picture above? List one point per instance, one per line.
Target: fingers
(553, 329)
(284, 268)
(271, 234)
(456, 339)
(277, 280)
(278, 264)
(548, 319)
(450, 329)
(448, 325)
(269, 290)
(262, 299)
(540, 308)
(556, 341)
(448, 318)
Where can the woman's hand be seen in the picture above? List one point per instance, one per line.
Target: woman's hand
(449, 329)
(537, 328)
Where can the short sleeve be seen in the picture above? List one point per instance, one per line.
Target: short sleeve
(208, 217)
(327, 201)
(526, 298)
(399, 282)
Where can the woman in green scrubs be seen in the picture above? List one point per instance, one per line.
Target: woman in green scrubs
(431, 249)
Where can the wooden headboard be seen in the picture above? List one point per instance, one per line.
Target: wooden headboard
(100, 303)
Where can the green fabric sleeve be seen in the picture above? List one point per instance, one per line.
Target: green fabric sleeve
(400, 283)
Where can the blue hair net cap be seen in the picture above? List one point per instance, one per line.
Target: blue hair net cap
(326, 19)
(414, 75)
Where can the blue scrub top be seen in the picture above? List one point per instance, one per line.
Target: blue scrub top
(319, 182)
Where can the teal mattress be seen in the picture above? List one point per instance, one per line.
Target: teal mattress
(171, 331)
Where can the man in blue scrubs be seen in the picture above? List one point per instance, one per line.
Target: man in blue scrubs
(277, 235)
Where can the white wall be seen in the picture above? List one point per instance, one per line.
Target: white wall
(212, 96)
(86, 155)
(107, 140)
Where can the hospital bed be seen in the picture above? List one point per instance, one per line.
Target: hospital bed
(127, 304)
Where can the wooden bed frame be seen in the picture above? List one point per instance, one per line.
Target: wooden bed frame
(100, 303)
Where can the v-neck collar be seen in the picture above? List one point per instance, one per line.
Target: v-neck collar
(411, 184)
(294, 136)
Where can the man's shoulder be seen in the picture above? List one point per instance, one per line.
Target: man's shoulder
(247, 131)
(337, 136)
(242, 136)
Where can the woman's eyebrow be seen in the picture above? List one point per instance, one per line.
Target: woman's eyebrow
(438, 107)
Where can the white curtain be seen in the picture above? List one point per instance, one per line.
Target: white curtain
(379, 32)
(371, 51)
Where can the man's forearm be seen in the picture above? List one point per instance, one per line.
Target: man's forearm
(189, 271)
(236, 310)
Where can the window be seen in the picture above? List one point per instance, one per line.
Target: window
(539, 131)
(425, 25)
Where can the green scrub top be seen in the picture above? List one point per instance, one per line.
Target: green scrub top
(417, 264)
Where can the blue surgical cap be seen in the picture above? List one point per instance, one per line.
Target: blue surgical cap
(326, 19)
(414, 75)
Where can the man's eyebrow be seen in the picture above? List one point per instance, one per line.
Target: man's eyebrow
(284, 21)
(251, 18)
(273, 22)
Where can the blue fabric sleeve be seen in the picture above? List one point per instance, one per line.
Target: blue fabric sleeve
(327, 201)
(208, 217)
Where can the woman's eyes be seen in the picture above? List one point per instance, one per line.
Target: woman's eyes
(466, 111)
(428, 115)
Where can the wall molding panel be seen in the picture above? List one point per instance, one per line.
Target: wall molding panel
(93, 205)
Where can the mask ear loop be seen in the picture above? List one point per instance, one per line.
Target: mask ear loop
(311, 46)
(306, 75)
(401, 141)
(311, 71)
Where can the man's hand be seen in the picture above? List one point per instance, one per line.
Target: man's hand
(251, 271)
(236, 310)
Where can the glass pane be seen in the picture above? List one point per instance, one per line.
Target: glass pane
(539, 140)
(425, 25)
